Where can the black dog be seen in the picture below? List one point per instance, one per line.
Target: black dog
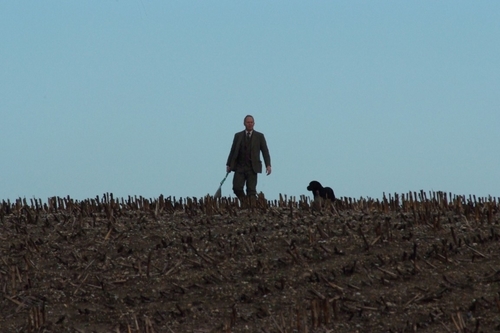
(321, 192)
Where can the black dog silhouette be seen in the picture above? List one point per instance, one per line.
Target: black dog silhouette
(321, 192)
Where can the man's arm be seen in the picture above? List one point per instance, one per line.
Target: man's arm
(265, 154)
(232, 153)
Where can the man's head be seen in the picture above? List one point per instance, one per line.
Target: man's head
(248, 122)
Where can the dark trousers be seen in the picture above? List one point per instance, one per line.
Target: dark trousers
(242, 176)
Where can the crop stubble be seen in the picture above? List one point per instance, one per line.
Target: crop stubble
(417, 262)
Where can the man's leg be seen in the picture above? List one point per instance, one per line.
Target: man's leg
(252, 187)
(238, 184)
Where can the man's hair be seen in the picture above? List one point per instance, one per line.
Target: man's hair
(248, 115)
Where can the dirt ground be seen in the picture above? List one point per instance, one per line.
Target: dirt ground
(419, 262)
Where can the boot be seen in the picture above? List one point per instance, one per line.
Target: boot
(243, 201)
(252, 201)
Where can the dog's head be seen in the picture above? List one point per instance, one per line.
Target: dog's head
(314, 186)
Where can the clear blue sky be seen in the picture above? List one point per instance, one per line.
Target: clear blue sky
(143, 97)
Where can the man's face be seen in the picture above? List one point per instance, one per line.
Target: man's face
(249, 123)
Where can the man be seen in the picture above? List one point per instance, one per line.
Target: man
(244, 160)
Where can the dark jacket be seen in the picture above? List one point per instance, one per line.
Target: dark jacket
(258, 144)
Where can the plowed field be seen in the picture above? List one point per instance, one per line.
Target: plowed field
(411, 263)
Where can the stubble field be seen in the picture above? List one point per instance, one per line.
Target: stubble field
(416, 262)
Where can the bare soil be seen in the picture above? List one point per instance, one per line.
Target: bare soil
(411, 263)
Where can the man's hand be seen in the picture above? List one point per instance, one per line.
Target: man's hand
(268, 170)
(228, 168)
